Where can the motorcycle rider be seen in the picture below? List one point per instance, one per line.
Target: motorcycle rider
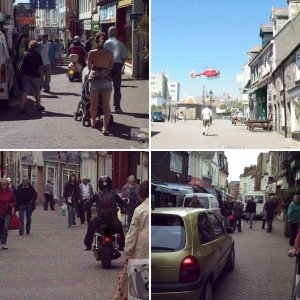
(78, 48)
(106, 202)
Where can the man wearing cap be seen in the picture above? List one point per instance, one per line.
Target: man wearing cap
(47, 52)
(206, 119)
(120, 55)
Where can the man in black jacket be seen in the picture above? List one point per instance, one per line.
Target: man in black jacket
(26, 197)
(106, 202)
(250, 210)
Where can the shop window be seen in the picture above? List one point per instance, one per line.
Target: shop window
(175, 162)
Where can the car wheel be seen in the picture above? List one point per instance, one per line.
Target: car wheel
(207, 293)
(231, 260)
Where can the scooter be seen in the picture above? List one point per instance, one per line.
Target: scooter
(105, 246)
(74, 68)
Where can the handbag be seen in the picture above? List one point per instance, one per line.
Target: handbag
(99, 74)
(15, 222)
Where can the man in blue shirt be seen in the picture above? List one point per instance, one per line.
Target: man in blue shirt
(120, 55)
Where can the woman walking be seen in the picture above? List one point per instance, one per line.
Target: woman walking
(294, 218)
(7, 204)
(100, 64)
(72, 197)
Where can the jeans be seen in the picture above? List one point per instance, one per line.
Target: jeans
(48, 199)
(293, 233)
(82, 210)
(25, 209)
(237, 223)
(117, 78)
(47, 72)
(270, 222)
(4, 226)
(71, 215)
(250, 217)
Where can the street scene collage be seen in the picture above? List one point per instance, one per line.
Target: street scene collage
(149, 150)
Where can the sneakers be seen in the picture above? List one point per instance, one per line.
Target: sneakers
(4, 246)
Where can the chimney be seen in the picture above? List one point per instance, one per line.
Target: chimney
(294, 8)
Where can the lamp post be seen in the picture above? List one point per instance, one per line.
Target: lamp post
(203, 96)
(210, 98)
(169, 116)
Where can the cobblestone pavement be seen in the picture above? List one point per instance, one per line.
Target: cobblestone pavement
(50, 263)
(263, 270)
(221, 135)
(56, 128)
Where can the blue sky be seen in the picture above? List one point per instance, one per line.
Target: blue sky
(195, 34)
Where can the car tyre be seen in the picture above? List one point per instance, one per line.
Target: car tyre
(231, 260)
(207, 293)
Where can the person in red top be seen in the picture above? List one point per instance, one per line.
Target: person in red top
(77, 48)
(7, 204)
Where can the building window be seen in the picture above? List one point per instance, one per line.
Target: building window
(176, 162)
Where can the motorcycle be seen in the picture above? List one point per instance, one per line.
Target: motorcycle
(105, 246)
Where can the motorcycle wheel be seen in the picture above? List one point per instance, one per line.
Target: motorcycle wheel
(106, 263)
(71, 79)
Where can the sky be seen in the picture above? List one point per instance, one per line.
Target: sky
(238, 160)
(196, 34)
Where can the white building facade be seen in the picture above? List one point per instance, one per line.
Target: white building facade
(174, 90)
(159, 85)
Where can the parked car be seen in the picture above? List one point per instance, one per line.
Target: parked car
(208, 201)
(189, 250)
(157, 116)
(6, 72)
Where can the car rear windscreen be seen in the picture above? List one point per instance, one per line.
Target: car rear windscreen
(203, 200)
(167, 233)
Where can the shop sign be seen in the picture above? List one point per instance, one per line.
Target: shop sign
(26, 21)
(108, 13)
(123, 3)
(87, 25)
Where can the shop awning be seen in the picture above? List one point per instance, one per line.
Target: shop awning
(265, 82)
(294, 92)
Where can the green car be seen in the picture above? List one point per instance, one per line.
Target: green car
(189, 250)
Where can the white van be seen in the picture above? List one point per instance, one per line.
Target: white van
(207, 201)
(259, 199)
(6, 71)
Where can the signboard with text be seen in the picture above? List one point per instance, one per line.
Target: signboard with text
(108, 13)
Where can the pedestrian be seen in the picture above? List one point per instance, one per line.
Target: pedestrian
(48, 194)
(195, 203)
(69, 43)
(120, 55)
(72, 196)
(26, 197)
(84, 207)
(7, 206)
(226, 212)
(21, 47)
(206, 119)
(250, 211)
(33, 73)
(58, 48)
(137, 239)
(89, 45)
(294, 218)
(47, 51)
(100, 62)
(238, 212)
(10, 184)
(130, 191)
(270, 209)
(107, 213)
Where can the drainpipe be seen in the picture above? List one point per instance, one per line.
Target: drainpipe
(97, 169)
(284, 102)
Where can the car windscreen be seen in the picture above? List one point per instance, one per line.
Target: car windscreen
(167, 233)
(203, 200)
(158, 113)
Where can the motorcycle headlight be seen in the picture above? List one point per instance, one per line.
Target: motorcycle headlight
(71, 72)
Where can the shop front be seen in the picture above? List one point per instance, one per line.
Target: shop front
(294, 94)
(108, 15)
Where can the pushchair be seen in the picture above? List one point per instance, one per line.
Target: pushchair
(83, 113)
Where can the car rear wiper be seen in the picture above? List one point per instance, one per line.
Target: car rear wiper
(161, 248)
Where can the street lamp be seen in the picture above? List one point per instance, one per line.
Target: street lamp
(169, 116)
(210, 98)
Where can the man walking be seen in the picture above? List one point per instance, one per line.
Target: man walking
(270, 208)
(26, 197)
(250, 211)
(48, 196)
(33, 73)
(238, 211)
(130, 191)
(47, 52)
(120, 55)
(87, 193)
(206, 119)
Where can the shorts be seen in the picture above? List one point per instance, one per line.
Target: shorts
(206, 122)
(31, 83)
(100, 85)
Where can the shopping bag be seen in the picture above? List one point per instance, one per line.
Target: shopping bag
(15, 222)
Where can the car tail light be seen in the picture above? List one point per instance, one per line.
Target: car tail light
(107, 239)
(189, 269)
(3, 74)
